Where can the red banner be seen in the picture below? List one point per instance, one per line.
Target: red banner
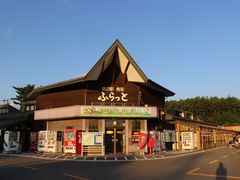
(142, 140)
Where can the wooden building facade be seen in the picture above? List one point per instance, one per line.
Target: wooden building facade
(196, 134)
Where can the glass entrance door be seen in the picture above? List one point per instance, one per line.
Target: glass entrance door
(114, 136)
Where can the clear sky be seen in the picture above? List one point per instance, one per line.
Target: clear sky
(191, 47)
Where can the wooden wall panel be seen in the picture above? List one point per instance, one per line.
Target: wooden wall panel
(61, 99)
(86, 93)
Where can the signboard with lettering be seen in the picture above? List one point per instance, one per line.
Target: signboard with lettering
(113, 94)
(92, 138)
(111, 111)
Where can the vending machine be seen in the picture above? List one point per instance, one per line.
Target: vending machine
(33, 141)
(187, 140)
(11, 141)
(54, 141)
(42, 141)
(72, 141)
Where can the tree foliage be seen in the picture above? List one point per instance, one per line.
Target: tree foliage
(222, 111)
(22, 93)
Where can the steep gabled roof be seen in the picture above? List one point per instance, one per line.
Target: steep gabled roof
(125, 63)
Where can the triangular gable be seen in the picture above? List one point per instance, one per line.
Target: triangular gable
(124, 61)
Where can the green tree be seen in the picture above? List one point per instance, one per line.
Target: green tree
(22, 93)
(222, 111)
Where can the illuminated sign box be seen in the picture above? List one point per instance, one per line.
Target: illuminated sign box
(110, 111)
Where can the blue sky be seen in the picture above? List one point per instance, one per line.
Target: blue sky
(190, 47)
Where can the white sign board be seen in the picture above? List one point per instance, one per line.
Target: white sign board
(92, 138)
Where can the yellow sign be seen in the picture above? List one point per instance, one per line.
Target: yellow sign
(109, 132)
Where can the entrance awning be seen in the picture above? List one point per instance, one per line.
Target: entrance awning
(15, 119)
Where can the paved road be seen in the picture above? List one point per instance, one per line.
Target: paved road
(223, 163)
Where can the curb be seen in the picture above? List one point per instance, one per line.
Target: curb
(115, 158)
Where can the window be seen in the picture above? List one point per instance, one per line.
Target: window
(136, 125)
(107, 104)
(96, 104)
(128, 104)
(118, 104)
(93, 125)
(27, 108)
(32, 108)
(3, 110)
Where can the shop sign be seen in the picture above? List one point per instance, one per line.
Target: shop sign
(109, 132)
(109, 94)
(110, 111)
(92, 138)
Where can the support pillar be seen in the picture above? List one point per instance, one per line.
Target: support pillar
(179, 144)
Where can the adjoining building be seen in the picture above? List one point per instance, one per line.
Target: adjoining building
(15, 120)
(197, 134)
(115, 97)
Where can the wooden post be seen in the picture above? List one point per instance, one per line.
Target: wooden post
(114, 141)
(198, 139)
(178, 130)
(126, 136)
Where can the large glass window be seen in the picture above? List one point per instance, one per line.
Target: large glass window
(136, 125)
(3, 110)
(93, 125)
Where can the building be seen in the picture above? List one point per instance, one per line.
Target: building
(115, 97)
(197, 134)
(12, 119)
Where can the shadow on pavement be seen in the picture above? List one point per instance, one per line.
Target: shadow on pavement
(221, 173)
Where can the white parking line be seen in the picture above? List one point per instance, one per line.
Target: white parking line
(115, 158)
(65, 157)
(125, 158)
(105, 158)
(95, 158)
(57, 156)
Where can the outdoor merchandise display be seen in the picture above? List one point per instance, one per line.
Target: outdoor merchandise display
(72, 141)
(33, 141)
(54, 141)
(11, 141)
(42, 141)
(187, 140)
